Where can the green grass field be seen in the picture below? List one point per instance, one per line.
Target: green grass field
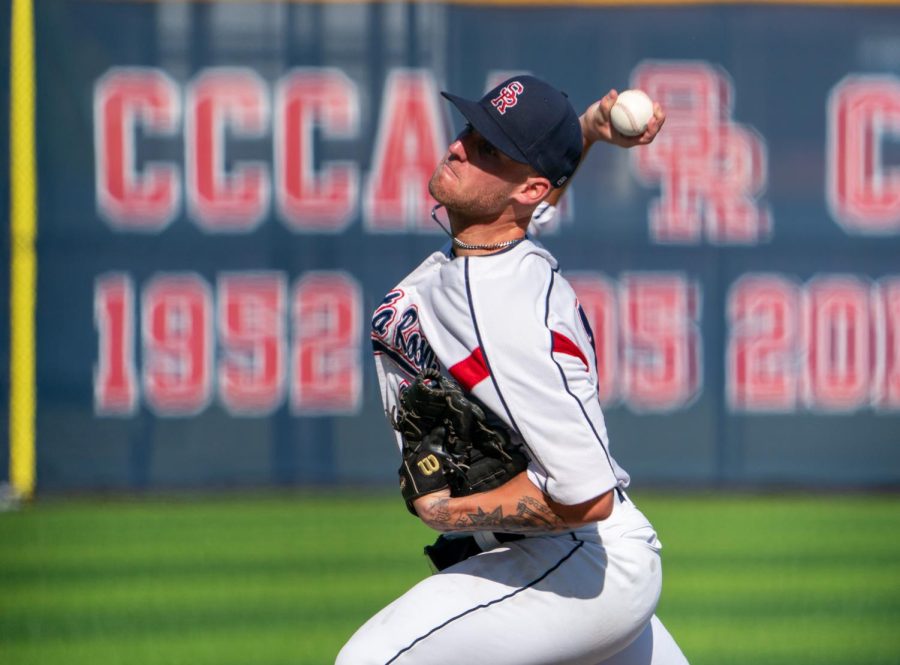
(278, 580)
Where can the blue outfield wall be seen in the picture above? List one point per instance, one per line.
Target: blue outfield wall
(227, 190)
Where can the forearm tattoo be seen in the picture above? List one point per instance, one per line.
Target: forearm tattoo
(440, 511)
(531, 515)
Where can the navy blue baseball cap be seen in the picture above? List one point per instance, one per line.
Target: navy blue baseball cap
(531, 122)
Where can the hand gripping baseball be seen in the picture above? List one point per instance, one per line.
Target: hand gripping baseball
(596, 124)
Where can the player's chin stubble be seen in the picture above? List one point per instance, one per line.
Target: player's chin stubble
(463, 205)
(436, 189)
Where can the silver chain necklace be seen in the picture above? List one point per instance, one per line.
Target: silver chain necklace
(496, 245)
(464, 245)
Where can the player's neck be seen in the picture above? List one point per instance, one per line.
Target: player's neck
(476, 237)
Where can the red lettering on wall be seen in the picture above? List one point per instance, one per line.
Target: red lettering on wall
(311, 200)
(762, 370)
(863, 191)
(223, 103)
(661, 364)
(838, 369)
(176, 314)
(325, 357)
(886, 393)
(253, 341)
(115, 385)
(132, 196)
(710, 169)
(732, 212)
(832, 342)
(410, 145)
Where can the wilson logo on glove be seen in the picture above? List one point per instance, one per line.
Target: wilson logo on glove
(429, 465)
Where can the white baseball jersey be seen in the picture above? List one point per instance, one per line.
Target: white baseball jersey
(508, 327)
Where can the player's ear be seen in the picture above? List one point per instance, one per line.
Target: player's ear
(532, 191)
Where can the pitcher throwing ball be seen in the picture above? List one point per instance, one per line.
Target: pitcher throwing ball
(488, 374)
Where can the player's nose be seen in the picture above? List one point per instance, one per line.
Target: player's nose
(457, 149)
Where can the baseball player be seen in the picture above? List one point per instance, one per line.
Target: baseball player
(566, 568)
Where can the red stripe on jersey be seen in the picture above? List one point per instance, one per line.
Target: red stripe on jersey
(562, 344)
(471, 371)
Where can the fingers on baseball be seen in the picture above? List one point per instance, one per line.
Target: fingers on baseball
(608, 101)
(654, 125)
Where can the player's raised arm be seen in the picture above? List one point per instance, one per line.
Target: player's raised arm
(596, 125)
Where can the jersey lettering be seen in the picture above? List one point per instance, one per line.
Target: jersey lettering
(385, 314)
(409, 340)
(401, 336)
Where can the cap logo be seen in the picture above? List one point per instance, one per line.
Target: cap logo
(508, 97)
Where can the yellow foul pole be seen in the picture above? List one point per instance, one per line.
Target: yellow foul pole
(23, 263)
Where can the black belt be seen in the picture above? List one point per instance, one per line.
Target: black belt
(508, 537)
(446, 552)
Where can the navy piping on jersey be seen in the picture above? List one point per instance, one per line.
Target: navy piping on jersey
(563, 374)
(579, 544)
(483, 350)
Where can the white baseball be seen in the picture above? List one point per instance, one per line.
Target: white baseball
(631, 112)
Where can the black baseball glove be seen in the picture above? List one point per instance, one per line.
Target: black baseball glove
(449, 442)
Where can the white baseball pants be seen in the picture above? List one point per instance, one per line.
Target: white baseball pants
(581, 598)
